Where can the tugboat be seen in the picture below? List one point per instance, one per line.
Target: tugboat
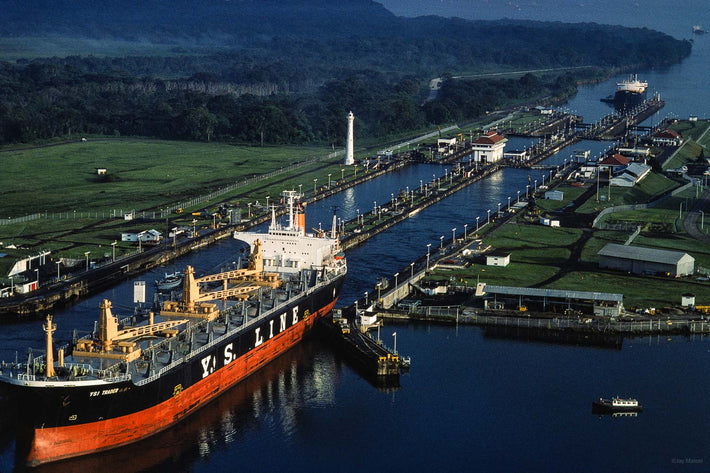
(170, 281)
(129, 379)
(615, 405)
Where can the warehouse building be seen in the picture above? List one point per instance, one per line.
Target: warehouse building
(639, 260)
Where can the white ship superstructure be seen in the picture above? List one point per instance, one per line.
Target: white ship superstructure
(632, 85)
(288, 248)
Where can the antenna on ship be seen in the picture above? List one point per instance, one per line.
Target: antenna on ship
(333, 227)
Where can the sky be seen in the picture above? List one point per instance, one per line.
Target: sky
(675, 17)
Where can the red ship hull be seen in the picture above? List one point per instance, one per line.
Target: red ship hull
(57, 443)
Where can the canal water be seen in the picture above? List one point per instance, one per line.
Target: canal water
(472, 401)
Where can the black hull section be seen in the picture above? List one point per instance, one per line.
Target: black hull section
(57, 407)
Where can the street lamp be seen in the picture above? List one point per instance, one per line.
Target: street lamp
(411, 272)
(37, 276)
(395, 287)
(453, 235)
(441, 238)
(518, 199)
(379, 292)
(421, 186)
(499, 209)
(465, 226)
(315, 180)
(249, 205)
(342, 174)
(394, 334)
(86, 253)
(366, 300)
(702, 219)
(508, 203)
(58, 263)
(329, 181)
(267, 203)
(428, 247)
(477, 223)
(114, 254)
(488, 219)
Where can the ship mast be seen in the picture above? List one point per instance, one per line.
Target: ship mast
(49, 329)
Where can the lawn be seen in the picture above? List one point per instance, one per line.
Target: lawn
(140, 174)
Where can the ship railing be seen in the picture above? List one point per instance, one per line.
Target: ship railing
(221, 338)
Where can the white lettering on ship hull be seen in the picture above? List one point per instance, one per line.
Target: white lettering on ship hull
(259, 337)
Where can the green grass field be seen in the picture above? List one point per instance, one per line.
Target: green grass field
(140, 174)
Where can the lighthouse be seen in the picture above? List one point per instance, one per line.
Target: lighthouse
(349, 157)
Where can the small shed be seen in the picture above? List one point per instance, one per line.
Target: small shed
(554, 195)
(687, 300)
(498, 258)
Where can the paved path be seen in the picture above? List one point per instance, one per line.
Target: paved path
(690, 223)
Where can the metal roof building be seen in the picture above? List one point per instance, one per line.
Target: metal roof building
(552, 300)
(640, 260)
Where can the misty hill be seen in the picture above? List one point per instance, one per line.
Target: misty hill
(222, 21)
(288, 71)
(350, 34)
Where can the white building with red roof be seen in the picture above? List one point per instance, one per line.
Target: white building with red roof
(667, 138)
(615, 162)
(488, 148)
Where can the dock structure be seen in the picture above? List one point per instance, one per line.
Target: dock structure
(377, 363)
(613, 126)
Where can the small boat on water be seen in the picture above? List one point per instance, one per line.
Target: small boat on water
(616, 405)
(170, 281)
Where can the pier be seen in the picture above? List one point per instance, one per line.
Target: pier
(380, 365)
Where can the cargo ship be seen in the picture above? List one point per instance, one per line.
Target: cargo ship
(130, 379)
(629, 93)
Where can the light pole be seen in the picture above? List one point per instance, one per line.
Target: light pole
(315, 180)
(58, 275)
(499, 209)
(702, 219)
(421, 186)
(249, 206)
(411, 271)
(395, 287)
(329, 181)
(86, 253)
(300, 186)
(508, 203)
(441, 239)
(394, 334)
(477, 224)
(114, 254)
(453, 235)
(37, 277)
(527, 188)
(379, 292)
(465, 226)
(366, 300)
(267, 203)
(342, 175)
(488, 218)
(518, 199)
(535, 186)
(428, 247)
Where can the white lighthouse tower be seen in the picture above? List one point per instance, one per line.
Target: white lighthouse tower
(349, 156)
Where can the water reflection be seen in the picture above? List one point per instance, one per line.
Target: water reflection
(272, 403)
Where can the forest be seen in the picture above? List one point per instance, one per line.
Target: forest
(290, 80)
